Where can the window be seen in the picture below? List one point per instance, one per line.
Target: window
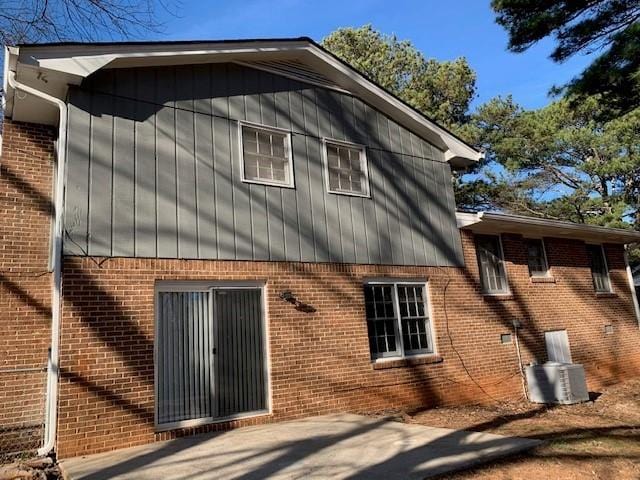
(346, 168)
(493, 276)
(599, 270)
(266, 156)
(537, 258)
(397, 319)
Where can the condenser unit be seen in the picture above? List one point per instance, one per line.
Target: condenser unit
(557, 383)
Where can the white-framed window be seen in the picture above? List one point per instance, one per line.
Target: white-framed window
(398, 320)
(345, 166)
(493, 275)
(599, 268)
(266, 155)
(537, 258)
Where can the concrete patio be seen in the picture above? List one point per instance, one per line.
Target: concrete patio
(327, 447)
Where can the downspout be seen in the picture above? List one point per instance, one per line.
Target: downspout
(56, 295)
(634, 295)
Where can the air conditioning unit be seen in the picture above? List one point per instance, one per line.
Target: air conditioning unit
(557, 383)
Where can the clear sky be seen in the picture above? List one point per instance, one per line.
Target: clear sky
(443, 29)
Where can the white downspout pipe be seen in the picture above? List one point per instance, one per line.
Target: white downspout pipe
(632, 285)
(56, 295)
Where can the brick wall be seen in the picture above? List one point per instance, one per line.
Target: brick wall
(320, 360)
(26, 173)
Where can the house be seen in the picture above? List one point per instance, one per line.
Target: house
(206, 235)
(635, 273)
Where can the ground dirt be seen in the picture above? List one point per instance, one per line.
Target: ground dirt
(599, 439)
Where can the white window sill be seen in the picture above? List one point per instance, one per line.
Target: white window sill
(399, 362)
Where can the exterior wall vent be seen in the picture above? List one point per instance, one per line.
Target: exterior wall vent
(294, 70)
(554, 382)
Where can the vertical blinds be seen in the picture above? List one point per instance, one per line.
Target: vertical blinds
(185, 387)
(210, 355)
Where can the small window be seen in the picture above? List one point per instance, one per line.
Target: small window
(266, 156)
(397, 320)
(493, 276)
(599, 269)
(346, 168)
(537, 258)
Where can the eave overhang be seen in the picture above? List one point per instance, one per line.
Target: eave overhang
(53, 67)
(495, 223)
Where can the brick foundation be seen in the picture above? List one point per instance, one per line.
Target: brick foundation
(320, 361)
(26, 174)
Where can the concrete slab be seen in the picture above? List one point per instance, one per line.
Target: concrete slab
(327, 447)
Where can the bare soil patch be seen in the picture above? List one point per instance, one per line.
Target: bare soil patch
(599, 439)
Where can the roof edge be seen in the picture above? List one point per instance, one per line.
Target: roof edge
(458, 152)
(496, 222)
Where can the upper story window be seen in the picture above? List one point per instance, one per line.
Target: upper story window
(397, 319)
(599, 269)
(346, 168)
(266, 156)
(537, 258)
(493, 276)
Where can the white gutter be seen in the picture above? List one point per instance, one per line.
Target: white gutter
(632, 286)
(53, 370)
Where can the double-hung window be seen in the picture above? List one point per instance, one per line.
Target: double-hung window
(537, 258)
(493, 276)
(397, 319)
(266, 155)
(346, 168)
(599, 269)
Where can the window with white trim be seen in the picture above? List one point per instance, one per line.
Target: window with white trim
(398, 320)
(537, 258)
(493, 276)
(346, 168)
(599, 269)
(266, 156)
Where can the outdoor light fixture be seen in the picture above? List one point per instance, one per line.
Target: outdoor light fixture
(288, 296)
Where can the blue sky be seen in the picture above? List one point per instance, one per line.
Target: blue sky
(440, 29)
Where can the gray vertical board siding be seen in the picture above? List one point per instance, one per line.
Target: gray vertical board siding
(101, 171)
(273, 196)
(301, 175)
(240, 190)
(204, 154)
(185, 165)
(145, 165)
(282, 87)
(166, 186)
(223, 179)
(77, 192)
(123, 223)
(155, 171)
(257, 193)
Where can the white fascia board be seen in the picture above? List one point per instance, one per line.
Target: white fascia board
(504, 223)
(85, 59)
(465, 220)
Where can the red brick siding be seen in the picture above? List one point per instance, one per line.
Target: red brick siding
(320, 361)
(26, 173)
